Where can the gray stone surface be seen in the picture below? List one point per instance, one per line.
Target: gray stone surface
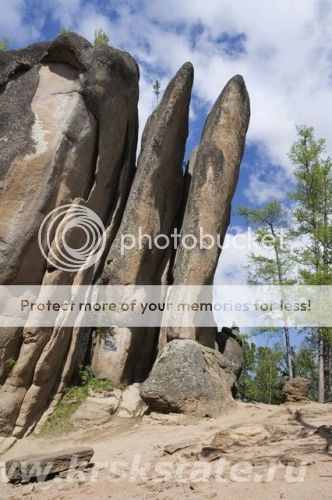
(131, 404)
(190, 378)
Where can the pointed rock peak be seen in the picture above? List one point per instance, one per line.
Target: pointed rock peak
(181, 82)
(231, 111)
(187, 67)
(175, 102)
(236, 80)
(185, 72)
(236, 88)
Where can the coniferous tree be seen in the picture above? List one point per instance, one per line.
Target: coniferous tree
(156, 89)
(261, 379)
(305, 364)
(274, 268)
(101, 38)
(313, 197)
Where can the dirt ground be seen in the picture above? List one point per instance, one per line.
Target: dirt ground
(262, 452)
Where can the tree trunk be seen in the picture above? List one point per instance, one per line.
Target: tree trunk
(327, 372)
(288, 353)
(321, 389)
(281, 283)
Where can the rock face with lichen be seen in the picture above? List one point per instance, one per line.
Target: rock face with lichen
(68, 137)
(76, 143)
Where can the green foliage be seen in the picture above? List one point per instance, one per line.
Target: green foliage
(273, 266)
(74, 396)
(313, 197)
(87, 379)
(11, 362)
(309, 262)
(101, 38)
(4, 43)
(261, 379)
(313, 223)
(270, 224)
(59, 421)
(306, 366)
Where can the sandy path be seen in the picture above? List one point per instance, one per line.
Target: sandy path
(131, 462)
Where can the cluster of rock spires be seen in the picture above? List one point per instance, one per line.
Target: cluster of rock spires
(68, 134)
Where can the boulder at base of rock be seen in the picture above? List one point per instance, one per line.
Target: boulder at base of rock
(296, 390)
(132, 404)
(190, 378)
(94, 411)
(27, 468)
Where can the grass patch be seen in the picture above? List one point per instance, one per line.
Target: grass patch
(11, 362)
(74, 396)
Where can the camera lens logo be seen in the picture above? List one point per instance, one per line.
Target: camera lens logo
(72, 237)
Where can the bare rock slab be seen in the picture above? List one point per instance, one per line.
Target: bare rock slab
(24, 469)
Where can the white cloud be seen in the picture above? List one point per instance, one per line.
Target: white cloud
(286, 59)
(14, 26)
(65, 11)
(286, 63)
(234, 258)
(262, 191)
(231, 269)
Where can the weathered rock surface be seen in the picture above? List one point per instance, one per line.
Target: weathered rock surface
(94, 411)
(296, 390)
(152, 208)
(132, 404)
(77, 144)
(69, 89)
(213, 180)
(190, 378)
(27, 468)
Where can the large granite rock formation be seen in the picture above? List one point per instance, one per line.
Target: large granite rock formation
(73, 141)
(152, 208)
(68, 135)
(213, 176)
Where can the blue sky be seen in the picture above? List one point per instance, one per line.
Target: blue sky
(283, 49)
